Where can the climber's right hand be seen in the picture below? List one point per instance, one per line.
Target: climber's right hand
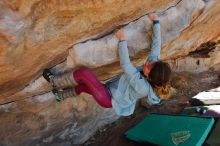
(153, 16)
(120, 34)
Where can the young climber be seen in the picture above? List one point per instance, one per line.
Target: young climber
(121, 93)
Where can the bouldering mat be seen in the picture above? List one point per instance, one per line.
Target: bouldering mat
(170, 130)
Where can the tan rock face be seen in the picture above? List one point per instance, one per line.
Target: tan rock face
(182, 32)
(37, 34)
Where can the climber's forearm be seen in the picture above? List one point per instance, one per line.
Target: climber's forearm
(156, 44)
(156, 39)
(125, 62)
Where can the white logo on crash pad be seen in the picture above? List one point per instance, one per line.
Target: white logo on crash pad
(180, 136)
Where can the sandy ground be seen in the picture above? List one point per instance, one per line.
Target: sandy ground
(186, 84)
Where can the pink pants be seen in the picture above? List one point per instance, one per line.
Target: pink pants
(88, 83)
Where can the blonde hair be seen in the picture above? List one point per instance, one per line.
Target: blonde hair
(159, 77)
(164, 92)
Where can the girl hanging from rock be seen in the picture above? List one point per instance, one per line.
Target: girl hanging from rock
(121, 93)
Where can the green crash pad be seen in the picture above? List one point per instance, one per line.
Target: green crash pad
(168, 130)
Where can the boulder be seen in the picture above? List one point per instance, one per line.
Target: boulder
(68, 34)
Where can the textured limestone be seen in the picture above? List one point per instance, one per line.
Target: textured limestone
(31, 123)
(202, 59)
(138, 34)
(42, 31)
(38, 34)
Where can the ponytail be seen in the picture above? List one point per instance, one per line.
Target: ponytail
(159, 77)
(164, 92)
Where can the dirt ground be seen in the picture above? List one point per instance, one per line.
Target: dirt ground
(186, 84)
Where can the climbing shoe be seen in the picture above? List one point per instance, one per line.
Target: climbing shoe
(57, 94)
(47, 74)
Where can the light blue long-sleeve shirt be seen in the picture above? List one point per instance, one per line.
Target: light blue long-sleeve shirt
(132, 85)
